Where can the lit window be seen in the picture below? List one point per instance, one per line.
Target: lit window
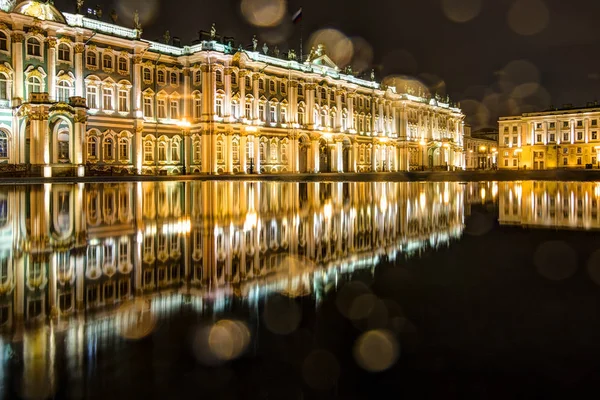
(273, 113)
(162, 109)
(283, 115)
(565, 161)
(160, 77)
(300, 90)
(261, 112)
(34, 48)
(3, 145)
(123, 64)
(578, 160)
(197, 108)
(3, 42)
(107, 61)
(219, 76)
(107, 99)
(594, 135)
(148, 107)
(272, 86)
(282, 88)
(34, 85)
(248, 109)
(91, 59)
(92, 147)
(235, 150)
(123, 103)
(64, 52)
(92, 97)
(63, 91)
(219, 107)
(148, 151)
(219, 150)
(108, 149)
(174, 78)
(233, 79)
(198, 77)
(175, 151)
(565, 136)
(579, 135)
(147, 75)
(124, 149)
(162, 151)
(174, 109)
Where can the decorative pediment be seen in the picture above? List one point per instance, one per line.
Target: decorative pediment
(318, 57)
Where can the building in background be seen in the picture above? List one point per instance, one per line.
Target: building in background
(481, 149)
(77, 92)
(559, 138)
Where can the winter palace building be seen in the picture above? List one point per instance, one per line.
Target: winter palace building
(76, 91)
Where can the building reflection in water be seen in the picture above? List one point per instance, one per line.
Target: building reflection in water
(108, 253)
(563, 205)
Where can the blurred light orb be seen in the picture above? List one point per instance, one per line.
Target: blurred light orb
(555, 260)
(520, 72)
(264, 13)
(525, 90)
(528, 17)
(363, 55)
(136, 320)
(147, 9)
(282, 315)
(405, 83)
(228, 339)
(276, 35)
(347, 295)
(477, 111)
(376, 350)
(461, 10)
(321, 370)
(338, 46)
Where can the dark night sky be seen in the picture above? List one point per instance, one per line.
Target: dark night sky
(485, 63)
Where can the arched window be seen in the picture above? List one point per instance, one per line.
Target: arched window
(63, 142)
(332, 119)
(160, 76)
(123, 64)
(34, 48)
(235, 150)
(92, 147)
(284, 152)
(219, 150)
(324, 118)
(197, 151)
(175, 151)
(174, 76)
(107, 61)
(197, 107)
(147, 75)
(3, 41)
(301, 116)
(219, 76)
(3, 145)
(64, 52)
(34, 85)
(63, 91)
(198, 77)
(263, 150)
(233, 78)
(109, 149)
(124, 149)
(148, 151)
(91, 59)
(4, 89)
(162, 151)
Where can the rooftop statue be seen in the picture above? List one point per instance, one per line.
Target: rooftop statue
(213, 32)
(254, 43)
(265, 49)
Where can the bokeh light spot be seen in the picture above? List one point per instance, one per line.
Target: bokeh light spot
(263, 13)
(338, 47)
(555, 260)
(282, 315)
(461, 10)
(528, 17)
(376, 350)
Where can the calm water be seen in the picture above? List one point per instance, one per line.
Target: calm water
(299, 290)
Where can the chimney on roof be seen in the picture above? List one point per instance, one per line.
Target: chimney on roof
(176, 41)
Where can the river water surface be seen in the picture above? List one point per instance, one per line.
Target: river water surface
(299, 290)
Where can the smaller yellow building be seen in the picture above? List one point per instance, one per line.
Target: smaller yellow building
(559, 138)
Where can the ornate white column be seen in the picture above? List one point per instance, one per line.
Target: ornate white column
(339, 143)
(257, 154)
(227, 99)
(380, 128)
(51, 43)
(243, 145)
(136, 95)
(354, 157)
(79, 48)
(315, 152)
(350, 100)
(310, 105)
(338, 104)
(17, 39)
(255, 93)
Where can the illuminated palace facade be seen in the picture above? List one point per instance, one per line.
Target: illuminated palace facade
(66, 249)
(563, 138)
(76, 92)
(562, 205)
